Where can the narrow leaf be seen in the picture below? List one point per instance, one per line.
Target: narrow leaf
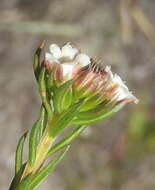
(40, 176)
(33, 142)
(24, 185)
(66, 99)
(19, 153)
(37, 63)
(95, 115)
(43, 121)
(42, 90)
(17, 177)
(41, 81)
(66, 141)
(64, 119)
(92, 102)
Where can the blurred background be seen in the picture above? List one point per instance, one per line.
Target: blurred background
(118, 154)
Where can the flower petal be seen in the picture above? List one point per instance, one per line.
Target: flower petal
(68, 51)
(55, 50)
(50, 58)
(117, 79)
(82, 59)
(108, 70)
(123, 91)
(68, 69)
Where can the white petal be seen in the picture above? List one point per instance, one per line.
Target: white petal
(108, 70)
(49, 57)
(117, 79)
(124, 93)
(68, 51)
(68, 70)
(82, 59)
(55, 50)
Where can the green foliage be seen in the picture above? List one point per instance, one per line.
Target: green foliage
(37, 62)
(92, 102)
(33, 142)
(19, 153)
(41, 175)
(61, 121)
(24, 185)
(16, 180)
(67, 140)
(97, 114)
(41, 82)
(63, 104)
(43, 122)
(62, 96)
(43, 92)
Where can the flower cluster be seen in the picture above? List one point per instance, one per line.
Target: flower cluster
(102, 91)
(70, 63)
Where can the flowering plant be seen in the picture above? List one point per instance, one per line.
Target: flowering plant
(75, 90)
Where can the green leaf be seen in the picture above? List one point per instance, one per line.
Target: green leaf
(93, 102)
(66, 99)
(43, 92)
(42, 85)
(19, 153)
(58, 95)
(33, 141)
(40, 176)
(24, 185)
(64, 119)
(66, 141)
(17, 177)
(50, 81)
(37, 63)
(43, 122)
(95, 115)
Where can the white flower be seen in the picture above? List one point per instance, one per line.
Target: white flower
(68, 57)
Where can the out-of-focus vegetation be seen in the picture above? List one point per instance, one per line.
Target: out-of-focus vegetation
(118, 154)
